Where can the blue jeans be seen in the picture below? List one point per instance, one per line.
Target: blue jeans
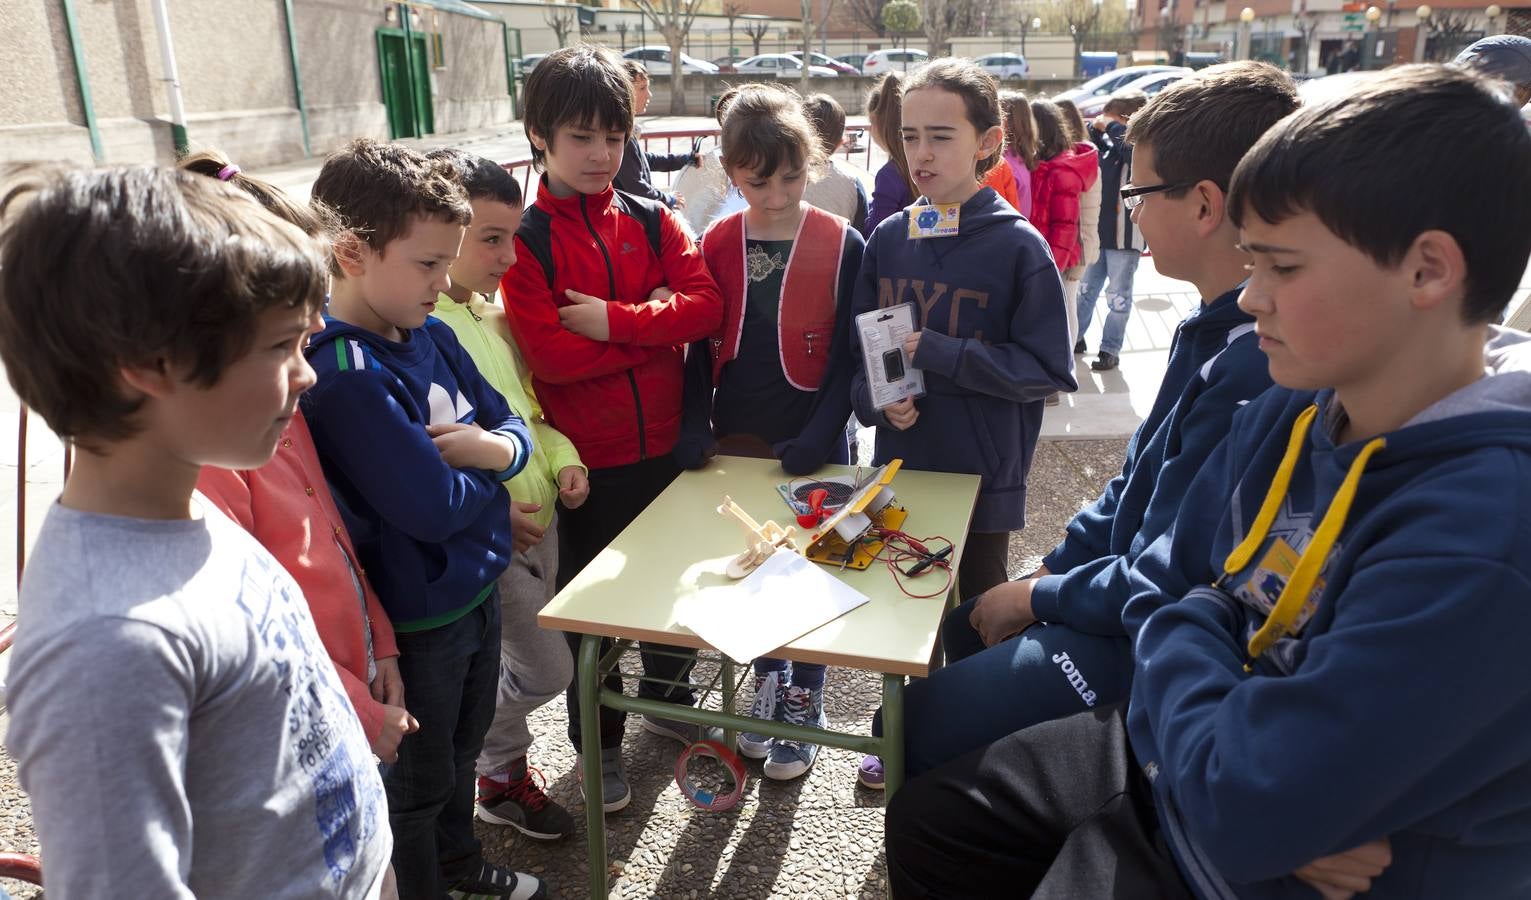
(985, 693)
(450, 676)
(1119, 266)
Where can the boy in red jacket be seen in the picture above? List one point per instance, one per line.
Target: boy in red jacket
(606, 292)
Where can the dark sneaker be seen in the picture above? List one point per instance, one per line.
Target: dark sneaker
(687, 733)
(768, 700)
(522, 805)
(1079, 347)
(1105, 362)
(615, 794)
(791, 759)
(493, 881)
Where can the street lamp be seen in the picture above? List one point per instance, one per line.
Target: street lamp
(1421, 31)
(1373, 15)
(1246, 16)
(1493, 17)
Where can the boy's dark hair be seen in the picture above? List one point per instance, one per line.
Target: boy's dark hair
(311, 220)
(828, 118)
(725, 100)
(1126, 102)
(105, 269)
(1052, 129)
(1368, 165)
(481, 178)
(376, 189)
(635, 71)
(1201, 126)
(765, 130)
(585, 86)
(977, 88)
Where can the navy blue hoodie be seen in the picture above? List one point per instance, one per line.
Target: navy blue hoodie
(1402, 707)
(994, 345)
(432, 538)
(1215, 367)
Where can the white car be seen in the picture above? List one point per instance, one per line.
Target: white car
(656, 61)
(1103, 85)
(1150, 84)
(881, 62)
(782, 66)
(1004, 65)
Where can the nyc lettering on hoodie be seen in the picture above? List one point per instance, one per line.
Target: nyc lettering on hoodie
(994, 345)
(1331, 647)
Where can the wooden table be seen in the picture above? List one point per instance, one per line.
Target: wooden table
(680, 545)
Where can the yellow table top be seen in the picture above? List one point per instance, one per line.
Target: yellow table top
(680, 545)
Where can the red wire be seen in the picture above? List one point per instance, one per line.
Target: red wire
(900, 547)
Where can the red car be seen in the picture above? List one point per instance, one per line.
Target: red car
(828, 62)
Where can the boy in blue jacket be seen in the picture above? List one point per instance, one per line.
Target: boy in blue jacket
(415, 445)
(1071, 608)
(1332, 688)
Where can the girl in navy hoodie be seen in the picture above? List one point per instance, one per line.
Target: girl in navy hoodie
(992, 334)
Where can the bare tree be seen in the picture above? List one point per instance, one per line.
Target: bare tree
(561, 20)
(868, 13)
(936, 19)
(732, 12)
(756, 28)
(1079, 18)
(1447, 27)
(673, 18)
(809, 24)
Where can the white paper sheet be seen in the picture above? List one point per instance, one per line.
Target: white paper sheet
(779, 602)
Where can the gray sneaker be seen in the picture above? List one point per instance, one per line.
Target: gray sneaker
(674, 729)
(615, 794)
(768, 695)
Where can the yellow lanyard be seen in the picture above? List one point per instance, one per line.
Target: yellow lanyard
(1278, 623)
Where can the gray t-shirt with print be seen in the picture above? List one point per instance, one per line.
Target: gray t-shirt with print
(177, 723)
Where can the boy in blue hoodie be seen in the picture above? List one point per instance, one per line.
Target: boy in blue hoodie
(415, 445)
(1332, 690)
(1071, 608)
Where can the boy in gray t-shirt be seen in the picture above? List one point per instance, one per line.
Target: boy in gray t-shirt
(174, 716)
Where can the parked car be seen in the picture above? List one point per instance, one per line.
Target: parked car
(529, 62)
(854, 60)
(1004, 65)
(781, 65)
(828, 62)
(1103, 85)
(881, 62)
(656, 60)
(1150, 84)
(726, 64)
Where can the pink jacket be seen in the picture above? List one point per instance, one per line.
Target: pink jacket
(1055, 188)
(287, 506)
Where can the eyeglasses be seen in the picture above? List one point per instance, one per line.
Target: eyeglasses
(1132, 196)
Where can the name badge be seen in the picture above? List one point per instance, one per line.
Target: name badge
(934, 220)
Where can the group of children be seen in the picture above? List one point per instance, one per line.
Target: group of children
(454, 461)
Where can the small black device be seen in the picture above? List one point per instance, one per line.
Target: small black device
(893, 365)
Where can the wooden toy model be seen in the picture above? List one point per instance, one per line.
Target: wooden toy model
(760, 540)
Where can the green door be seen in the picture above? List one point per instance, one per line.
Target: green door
(407, 99)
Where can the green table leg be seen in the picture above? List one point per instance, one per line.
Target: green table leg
(892, 734)
(590, 746)
(728, 699)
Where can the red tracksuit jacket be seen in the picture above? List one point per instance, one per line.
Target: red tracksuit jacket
(619, 400)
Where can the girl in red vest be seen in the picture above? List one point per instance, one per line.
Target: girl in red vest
(774, 381)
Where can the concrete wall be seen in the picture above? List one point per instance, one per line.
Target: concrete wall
(236, 78)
